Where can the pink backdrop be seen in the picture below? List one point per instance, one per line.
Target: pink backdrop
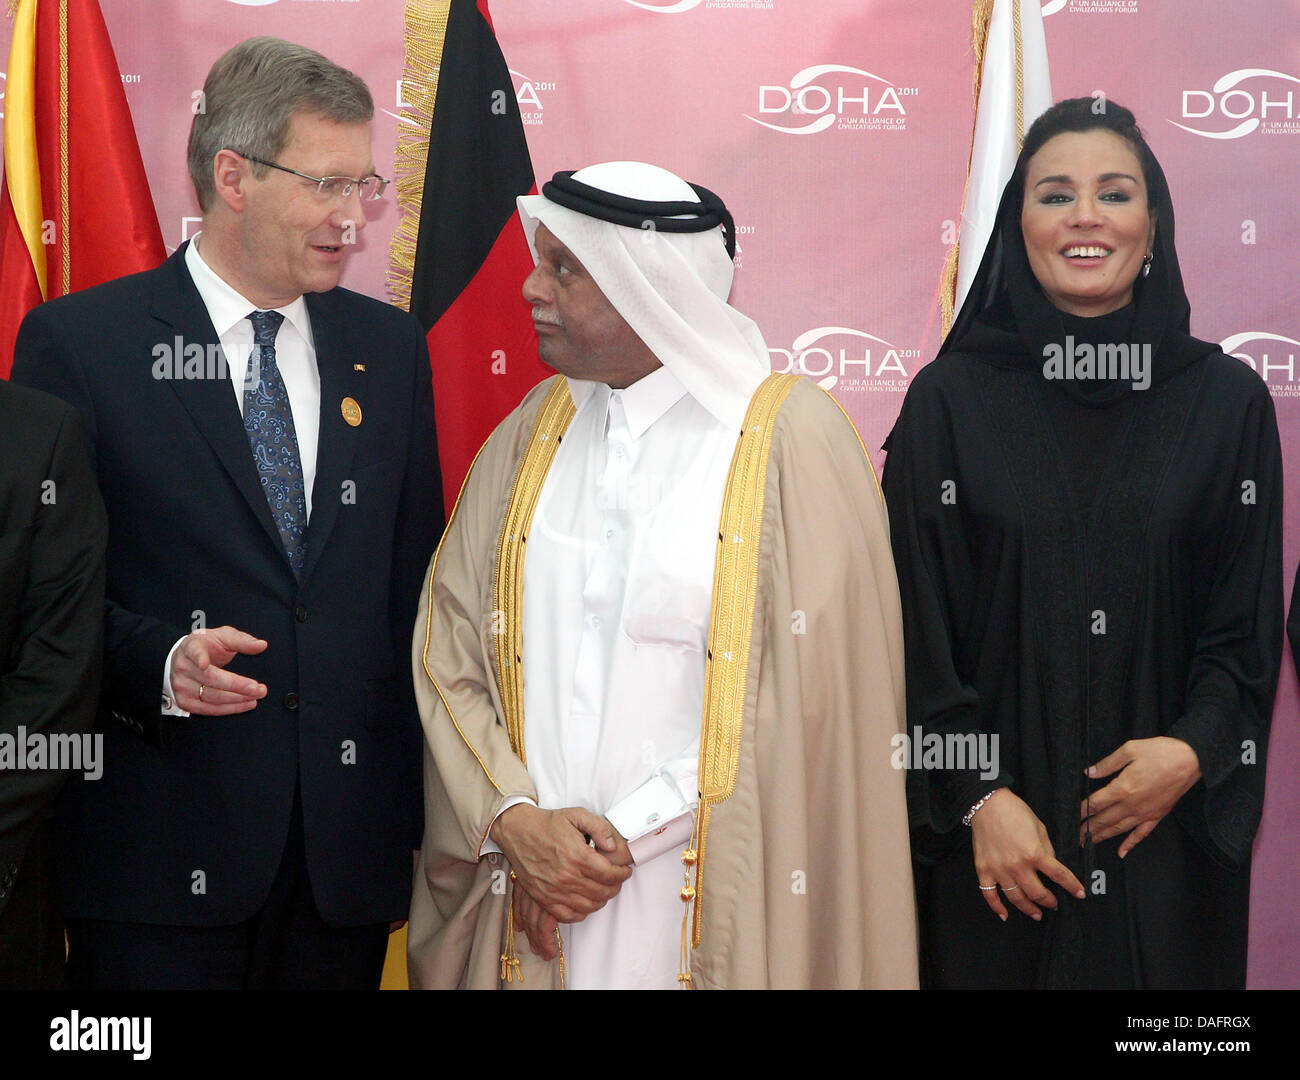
(845, 182)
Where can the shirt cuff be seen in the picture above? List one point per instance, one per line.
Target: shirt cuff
(169, 706)
(675, 834)
(489, 845)
(650, 807)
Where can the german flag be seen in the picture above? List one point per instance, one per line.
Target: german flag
(75, 208)
(459, 254)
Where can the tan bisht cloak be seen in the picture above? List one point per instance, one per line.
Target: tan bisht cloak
(803, 876)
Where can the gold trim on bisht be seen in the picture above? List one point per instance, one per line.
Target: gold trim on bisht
(508, 585)
(552, 422)
(731, 627)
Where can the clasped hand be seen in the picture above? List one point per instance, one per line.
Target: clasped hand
(560, 878)
(1012, 847)
(1153, 774)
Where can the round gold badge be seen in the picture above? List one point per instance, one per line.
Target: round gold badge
(351, 411)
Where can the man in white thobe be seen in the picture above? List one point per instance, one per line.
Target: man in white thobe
(625, 560)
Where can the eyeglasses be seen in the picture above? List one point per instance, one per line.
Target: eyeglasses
(331, 187)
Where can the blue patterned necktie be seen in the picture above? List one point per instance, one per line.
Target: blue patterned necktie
(269, 423)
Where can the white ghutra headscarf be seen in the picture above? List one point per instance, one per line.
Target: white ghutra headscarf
(671, 287)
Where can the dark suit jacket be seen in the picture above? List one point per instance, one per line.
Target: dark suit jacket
(52, 536)
(189, 821)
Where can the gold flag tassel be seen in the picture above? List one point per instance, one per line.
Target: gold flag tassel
(981, 16)
(510, 958)
(426, 30)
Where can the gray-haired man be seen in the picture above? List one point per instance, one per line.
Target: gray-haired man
(264, 442)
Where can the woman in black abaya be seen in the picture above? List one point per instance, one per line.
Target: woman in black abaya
(1089, 560)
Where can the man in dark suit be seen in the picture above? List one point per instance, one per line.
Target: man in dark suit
(264, 442)
(52, 537)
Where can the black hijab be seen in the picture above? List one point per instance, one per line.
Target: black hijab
(1007, 318)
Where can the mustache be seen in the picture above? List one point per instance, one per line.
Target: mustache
(541, 315)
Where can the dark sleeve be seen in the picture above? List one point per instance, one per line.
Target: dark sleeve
(135, 644)
(51, 684)
(420, 523)
(936, 582)
(1238, 651)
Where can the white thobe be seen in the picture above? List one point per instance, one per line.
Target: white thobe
(618, 581)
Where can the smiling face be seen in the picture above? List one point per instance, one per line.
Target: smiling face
(291, 240)
(1085, 221)
(579, 333)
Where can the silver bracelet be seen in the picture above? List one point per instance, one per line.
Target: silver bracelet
(970, 814)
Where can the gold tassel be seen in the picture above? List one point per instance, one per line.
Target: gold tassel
(510, 958)
(13, 9)
(426, 30)
(559, 944)
(690, 861)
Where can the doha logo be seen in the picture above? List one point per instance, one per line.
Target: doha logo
(824, 96)
(1247, 108)
(847, 358)
(1271, 356)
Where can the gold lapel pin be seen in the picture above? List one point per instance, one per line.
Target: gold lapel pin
(351, 411)
(358, 367)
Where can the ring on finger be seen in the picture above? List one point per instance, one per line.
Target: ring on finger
(201, 689)
(1009, 888)
(988, 888)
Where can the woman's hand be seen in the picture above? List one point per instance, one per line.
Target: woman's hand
(1011, 850)
(1153, 775)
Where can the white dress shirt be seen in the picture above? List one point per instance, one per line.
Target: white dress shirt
(295, 356)
(618, 581)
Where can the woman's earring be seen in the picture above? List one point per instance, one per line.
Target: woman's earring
(1147, 260)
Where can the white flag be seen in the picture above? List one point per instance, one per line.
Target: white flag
(997, 138)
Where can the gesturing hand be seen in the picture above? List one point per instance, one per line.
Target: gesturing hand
(553, 862)
(197, 665)
(1153, 775)
(1011, 850)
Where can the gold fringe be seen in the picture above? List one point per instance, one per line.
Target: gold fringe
(948, 284)
(1020, 72)
(426, 32)
(13, 9)
(65, 212)
(980, 17)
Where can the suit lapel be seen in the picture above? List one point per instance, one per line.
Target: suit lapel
(210, 402)
(337, 442)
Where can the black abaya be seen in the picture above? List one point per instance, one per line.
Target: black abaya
(1082, 563)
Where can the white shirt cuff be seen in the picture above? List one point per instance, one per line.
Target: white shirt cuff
(169, 706)
(650, 808)
(675, 834)
(489, 845)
